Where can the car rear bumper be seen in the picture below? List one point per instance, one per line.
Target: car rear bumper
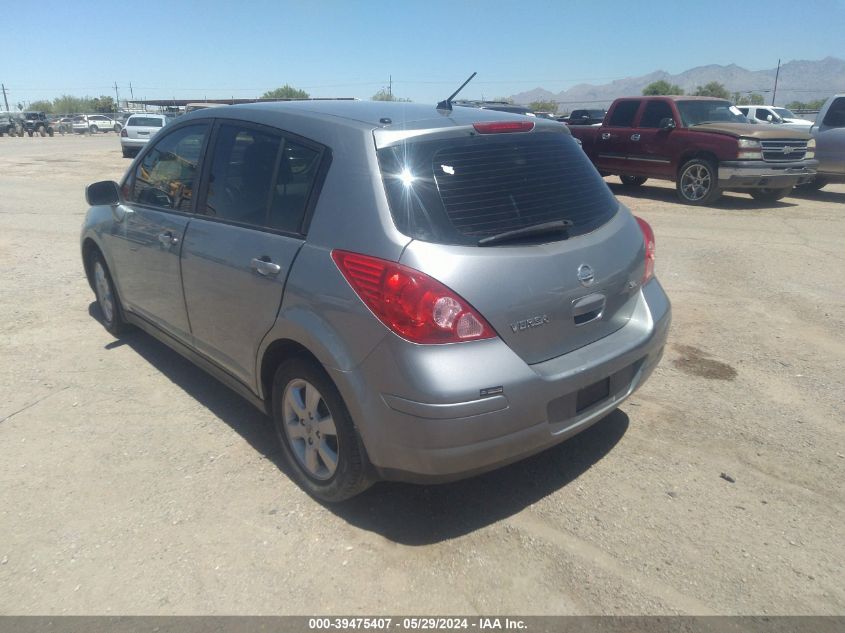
(133, 143)
(760, 175)
(423, 418)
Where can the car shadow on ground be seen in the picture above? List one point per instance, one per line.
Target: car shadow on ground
(244, 418)
(404, 513)
(731, 201)
(421, 515)
(819, 195)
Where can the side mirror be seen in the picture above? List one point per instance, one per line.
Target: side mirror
(667, 123)
(105, 193)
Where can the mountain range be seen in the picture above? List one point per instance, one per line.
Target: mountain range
(799, 80)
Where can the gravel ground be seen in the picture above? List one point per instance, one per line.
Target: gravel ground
(131, 482)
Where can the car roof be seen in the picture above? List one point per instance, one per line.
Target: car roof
(361, 114)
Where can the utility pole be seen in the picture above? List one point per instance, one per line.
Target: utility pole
(390, 85)
(131, 92)
(116, 98)
(774, 92)
(5, 100)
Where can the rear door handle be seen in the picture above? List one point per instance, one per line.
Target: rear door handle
(635, 137)
(263, 266)
(605, 135)
(167, 239)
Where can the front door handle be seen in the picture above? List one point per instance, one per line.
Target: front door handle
(167, 239)
(605, 135)
(263, 266)
(635, 137)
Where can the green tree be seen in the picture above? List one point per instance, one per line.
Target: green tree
(68, 104)
(41, 106)
(384, 95)
(543, 106)
(712, 89)
(504, 99)
(662, 88)
(103, 104)
(285, 92)
(750, 99)
(809, 105)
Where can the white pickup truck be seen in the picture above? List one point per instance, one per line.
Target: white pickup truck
(829, 132)
(778, 116)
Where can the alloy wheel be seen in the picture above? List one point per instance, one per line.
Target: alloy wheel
(310, 429)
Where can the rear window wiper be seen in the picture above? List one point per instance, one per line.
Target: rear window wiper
(556, 226)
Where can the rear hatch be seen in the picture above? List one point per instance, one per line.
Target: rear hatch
(143, 127)
(467, 199)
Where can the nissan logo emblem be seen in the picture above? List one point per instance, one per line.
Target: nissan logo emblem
(585, 275)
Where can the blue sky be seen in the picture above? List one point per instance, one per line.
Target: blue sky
(332, 48)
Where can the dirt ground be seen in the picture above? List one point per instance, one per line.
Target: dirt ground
(131, 482)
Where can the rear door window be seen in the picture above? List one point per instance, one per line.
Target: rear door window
(623, 114)
(460, 190)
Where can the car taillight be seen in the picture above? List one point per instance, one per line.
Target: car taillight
(648, 237)
(412, 304)
(124, 133)
(499, 127)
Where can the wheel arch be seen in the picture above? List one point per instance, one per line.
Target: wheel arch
(693, 154)
(274, 355)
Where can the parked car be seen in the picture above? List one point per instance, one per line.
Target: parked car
(63, 125)
(93, 123)
(586, 117)
(138, 130)
(346, 267)
(498, 106)
(37, 123)
(829, 134)
(778, 116)
(10, 124)
(703, 144)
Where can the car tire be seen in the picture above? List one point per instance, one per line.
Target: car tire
(116, 128)
(41, 131)
(93, 129)
(319, 441)
(814, 185)
(127, 153)
(697, 182)
(632, 181)
(770, 195)
(107, 297)
(50, 132)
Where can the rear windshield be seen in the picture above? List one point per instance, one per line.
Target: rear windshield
(145, 121)
(457, 191)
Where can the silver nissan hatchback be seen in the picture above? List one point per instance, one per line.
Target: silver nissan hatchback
(411, 293)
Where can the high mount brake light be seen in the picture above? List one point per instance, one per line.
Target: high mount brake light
(412, 304)
(648, 237)
(500, 127)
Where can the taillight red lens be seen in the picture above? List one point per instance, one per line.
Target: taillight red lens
(648, 237)
(123, 133)
(499, 127)
(412, 304)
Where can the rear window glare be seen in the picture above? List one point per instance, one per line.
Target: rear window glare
(460, 190)
(145, 121)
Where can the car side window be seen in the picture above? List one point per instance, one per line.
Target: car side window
(297, 174)
(168, 172)
(655, 112)
(623, 114)
(835, 116)
(242, 171)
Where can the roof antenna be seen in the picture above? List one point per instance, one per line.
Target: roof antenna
(447, 105)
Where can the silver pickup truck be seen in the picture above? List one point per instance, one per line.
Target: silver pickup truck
(829, 132)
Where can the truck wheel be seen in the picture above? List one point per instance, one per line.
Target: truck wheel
(697, 182)
(41, 131)
(50, 132)
(29, 134)
(632, 181)
(814, 185)
(770, 195)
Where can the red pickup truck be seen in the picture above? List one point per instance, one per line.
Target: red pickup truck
(703, 144)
